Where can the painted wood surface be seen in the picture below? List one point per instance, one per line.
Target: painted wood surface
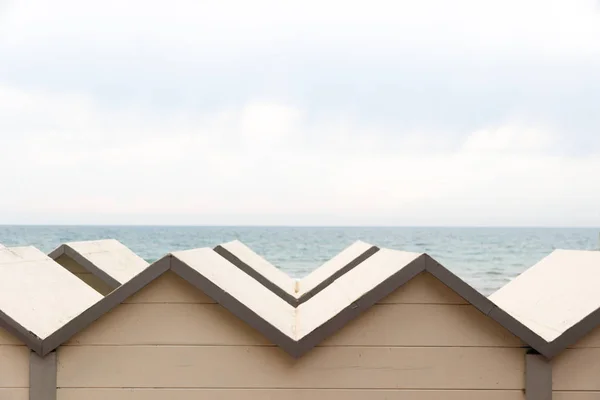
(7, 338)
(112, 257)
(261, 265)
(14, 394)
(86, 276)
(270, 367)
(554, 294)
(30, 283)
(424, 289)
(14, 366)
(331, 267)
(576, 395)
(382, 325)
(242, 287)
(349, 288)
(170, 288)
(576, 370)
(288, 394)
(592, 340)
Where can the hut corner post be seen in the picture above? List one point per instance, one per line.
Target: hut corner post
(538, 377)
(42, 376)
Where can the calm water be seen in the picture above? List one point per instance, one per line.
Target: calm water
(487, 258)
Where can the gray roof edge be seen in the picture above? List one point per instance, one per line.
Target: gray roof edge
(257, 276)
(297, 348)
(339, 273)
(90, 266)
(30, 339)
(361, 305)
(233, 305)
(486, 306)
(57, 252)
(287, 297)
(575, 333)
(105, 305)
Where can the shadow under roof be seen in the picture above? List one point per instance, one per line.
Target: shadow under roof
(108, 259)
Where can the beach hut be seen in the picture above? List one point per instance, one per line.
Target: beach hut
(294, 291)
(559, 299)
(102, 264)
(194, 325)
(37, 297)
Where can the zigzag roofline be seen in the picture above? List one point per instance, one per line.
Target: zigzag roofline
(296, 348)
(224, 293)
(296, 297)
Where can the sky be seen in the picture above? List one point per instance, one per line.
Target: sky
(402, 113)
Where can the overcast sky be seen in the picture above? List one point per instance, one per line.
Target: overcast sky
(323, 113)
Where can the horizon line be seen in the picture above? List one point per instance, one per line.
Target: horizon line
(300, 226)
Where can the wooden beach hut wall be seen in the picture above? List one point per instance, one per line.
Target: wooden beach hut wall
(194, 325)
(396, 325)
(559, 299)
(102, 264)
(37, 297)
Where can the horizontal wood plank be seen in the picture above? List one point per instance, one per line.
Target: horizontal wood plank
(382, 325)
(270, 367)
(424, 325)
(14, 394)
(7, 338)
(576, 369)
(169, 324)
(424, 289)
(592, 339)
(170, 288)
(575, 395)
(288, 394)
(14, 367)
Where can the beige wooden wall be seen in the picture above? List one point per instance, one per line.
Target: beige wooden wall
(14, 368)
(170, 341)
(576, 371)
(92, 280)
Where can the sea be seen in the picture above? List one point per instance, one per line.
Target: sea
(487, 258)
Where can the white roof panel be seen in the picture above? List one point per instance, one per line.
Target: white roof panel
(38, 293)
(554, 294)
(332, 266)
(242, 287)
(111, 257)
(293, 287)
(350, 287)
(260, 265)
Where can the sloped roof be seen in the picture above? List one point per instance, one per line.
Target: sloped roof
(558, 298)
(109, 259)
(295, 291)
(37, 295)
(295, 328)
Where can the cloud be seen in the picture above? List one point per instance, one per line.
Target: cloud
(400, 113)
(268, 162)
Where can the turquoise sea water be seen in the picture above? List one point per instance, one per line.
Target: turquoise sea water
(487, 258)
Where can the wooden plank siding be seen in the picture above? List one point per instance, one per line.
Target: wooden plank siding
(423, 342)
(289, 394)
(575, 370)
(14, 368)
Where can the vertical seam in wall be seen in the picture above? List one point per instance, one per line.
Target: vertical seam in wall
(42, 376)
(538, 377)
